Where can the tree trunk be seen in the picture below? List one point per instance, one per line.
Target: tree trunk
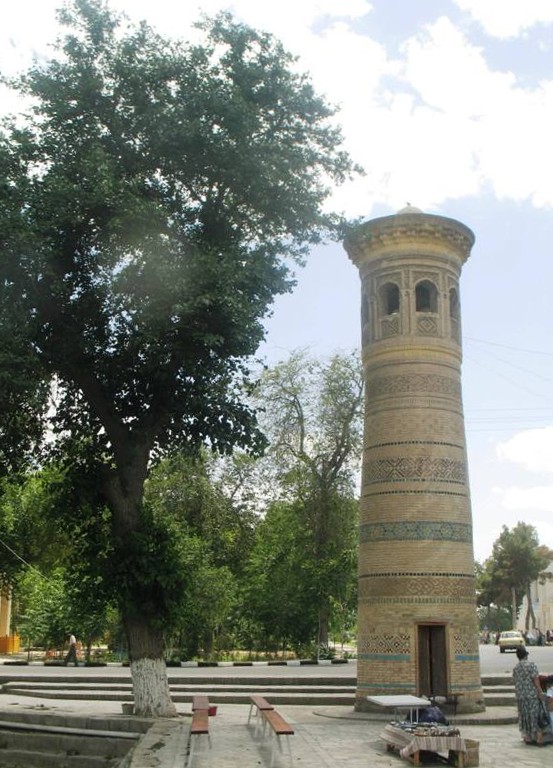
(513, 607)
(152, 697)
(125, 490)
(323, 626)
(530, 622)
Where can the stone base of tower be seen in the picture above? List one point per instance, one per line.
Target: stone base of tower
(380, 677)
(465, 704)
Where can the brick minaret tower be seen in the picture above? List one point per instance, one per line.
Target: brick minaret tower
(417, 607)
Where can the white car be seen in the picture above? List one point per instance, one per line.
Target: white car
(510, 641)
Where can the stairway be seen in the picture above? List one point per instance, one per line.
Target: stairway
(499, 691)
(323, 691)
(311, 691)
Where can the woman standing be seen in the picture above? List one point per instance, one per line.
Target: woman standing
(529, 696)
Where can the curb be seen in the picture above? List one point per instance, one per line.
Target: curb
(192, 664)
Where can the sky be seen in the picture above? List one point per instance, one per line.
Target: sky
(447, 105)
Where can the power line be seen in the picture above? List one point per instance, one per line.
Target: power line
(507, 378)
(23, 560)
(506, 346)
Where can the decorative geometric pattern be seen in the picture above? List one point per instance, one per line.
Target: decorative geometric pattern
(415, 442)
(416, 600)
(386, 644)
(447, 574)
(395, 276)
(415, 382)
(427, 326)
(384, 237)
(417, 276)
(408, 586)
(465, 645)
(390, 326)
(420, 530)
(414, 469)
(461, 494)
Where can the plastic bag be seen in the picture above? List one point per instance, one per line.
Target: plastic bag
(432, 715)
(543, 717)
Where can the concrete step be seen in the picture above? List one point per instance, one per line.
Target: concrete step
(25, 758)
(304, 696)
(498, 691)
(48, 739)
(41, 743)
(500, 699)
(131, 727)
(183, 689)
(207, 679)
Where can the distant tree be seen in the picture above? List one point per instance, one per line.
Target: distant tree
(516, 561)
(186, 490)
(31, 533)
(42, 616)
(312, 416)
(278, 592)
(148, 203)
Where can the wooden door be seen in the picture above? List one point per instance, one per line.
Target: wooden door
(432, 660)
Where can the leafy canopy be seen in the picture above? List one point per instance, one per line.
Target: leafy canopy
(517, 559)
(149, 201)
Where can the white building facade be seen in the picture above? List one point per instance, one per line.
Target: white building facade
(541, 593)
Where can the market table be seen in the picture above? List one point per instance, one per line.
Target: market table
(401, 701)
(410, 742)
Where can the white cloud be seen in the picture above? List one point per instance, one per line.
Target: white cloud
(465, 127)
(290, 20)
(533, 449)
(508, 18)
(519, 499)
(430, 123)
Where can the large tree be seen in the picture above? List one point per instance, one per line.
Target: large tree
(149, 200)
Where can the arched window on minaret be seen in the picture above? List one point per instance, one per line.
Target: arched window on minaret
(390, 298)
(453, 304)
(426, 297)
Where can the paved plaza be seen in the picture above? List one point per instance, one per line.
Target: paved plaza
(332, 736)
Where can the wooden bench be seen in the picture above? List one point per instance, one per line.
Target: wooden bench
(200, 723)
(200, 702)
(261, 705)
(280, 728)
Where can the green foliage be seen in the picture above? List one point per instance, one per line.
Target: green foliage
(312, 416)
(42, 616)
(187, 490)
(182, 492)
(517, 559)
(30, 530)
(277, 593)
(151, 198)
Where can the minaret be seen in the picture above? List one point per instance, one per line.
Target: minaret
(418, 629)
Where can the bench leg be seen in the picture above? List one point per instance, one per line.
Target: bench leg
(191, 752)
(260, 722)
(250, 713)
(278, 742)
(275, 742)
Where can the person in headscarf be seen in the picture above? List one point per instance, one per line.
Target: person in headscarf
(529, 696)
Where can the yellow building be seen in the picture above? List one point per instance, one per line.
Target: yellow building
(8, 643)
(417, 607)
